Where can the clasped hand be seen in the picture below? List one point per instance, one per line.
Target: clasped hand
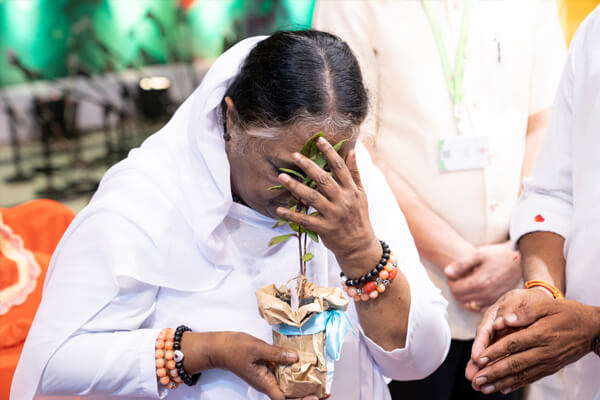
(525, 336)
(479, 279)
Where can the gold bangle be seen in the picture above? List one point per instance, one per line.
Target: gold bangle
(556, 293)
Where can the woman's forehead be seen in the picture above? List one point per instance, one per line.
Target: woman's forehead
(294, 137)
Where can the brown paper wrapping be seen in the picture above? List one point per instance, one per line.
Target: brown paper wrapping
(308, 375)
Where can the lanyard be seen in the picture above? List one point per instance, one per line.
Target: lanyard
(454, 79)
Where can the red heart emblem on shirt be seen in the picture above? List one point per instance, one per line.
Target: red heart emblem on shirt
(538, 218)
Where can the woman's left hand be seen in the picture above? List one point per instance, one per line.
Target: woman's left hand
(343, 220)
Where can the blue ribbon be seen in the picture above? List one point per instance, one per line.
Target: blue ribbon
(336, 325)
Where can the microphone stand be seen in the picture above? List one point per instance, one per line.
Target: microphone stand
(108, 107)
(51, 120)
(19, 176)
(89, 185)
(49, 127)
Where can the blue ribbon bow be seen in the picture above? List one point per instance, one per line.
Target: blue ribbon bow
(336, 325)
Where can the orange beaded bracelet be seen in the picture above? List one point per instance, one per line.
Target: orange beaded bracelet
(165, 363)
(556, 293)
(372, 289)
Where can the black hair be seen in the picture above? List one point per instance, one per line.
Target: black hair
(293, 76)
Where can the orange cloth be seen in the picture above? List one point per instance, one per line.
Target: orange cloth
(40, 224)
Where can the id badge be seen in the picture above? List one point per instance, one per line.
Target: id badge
(463, 152)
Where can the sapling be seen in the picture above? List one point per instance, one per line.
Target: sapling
(302, 234)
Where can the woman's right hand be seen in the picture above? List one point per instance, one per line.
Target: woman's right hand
(246, 356)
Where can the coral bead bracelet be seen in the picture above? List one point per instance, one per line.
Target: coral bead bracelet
(169, 359)
(372, 284)
(165, 359)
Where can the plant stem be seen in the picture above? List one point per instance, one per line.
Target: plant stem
(305, 244)
(305, 238)
(300, 250)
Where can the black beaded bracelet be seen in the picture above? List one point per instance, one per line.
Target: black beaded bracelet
(596, 345)
(371, 275)
(179, 357)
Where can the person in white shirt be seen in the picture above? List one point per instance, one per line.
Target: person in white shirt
(163, 243)
(531, 333)
(448, 78)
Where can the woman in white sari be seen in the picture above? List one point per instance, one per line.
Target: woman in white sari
(163, 243)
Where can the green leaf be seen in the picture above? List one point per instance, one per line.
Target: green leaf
(294, 227)
(280, 221)
(320, 160)
(339, 145)
(312, 235)
(312, 185)
(280, 239)
(292, 202)
(293, 208)
(292, 172)
(310, 147)
(278, 187)
(307, 257)
(314, 213)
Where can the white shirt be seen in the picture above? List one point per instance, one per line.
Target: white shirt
(514, 54)
(112, 353)
(565, 188)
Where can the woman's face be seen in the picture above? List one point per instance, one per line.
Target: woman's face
(255, 163)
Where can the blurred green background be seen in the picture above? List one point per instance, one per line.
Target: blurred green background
(51, 36)
(54, 37)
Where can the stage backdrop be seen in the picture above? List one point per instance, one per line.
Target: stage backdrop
(55, 38)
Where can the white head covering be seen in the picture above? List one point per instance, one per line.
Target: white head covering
(175, 185)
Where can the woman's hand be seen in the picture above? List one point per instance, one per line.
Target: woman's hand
(343, 221)
(246, 356)
(478, 280)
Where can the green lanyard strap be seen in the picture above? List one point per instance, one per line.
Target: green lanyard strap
(454, 79)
